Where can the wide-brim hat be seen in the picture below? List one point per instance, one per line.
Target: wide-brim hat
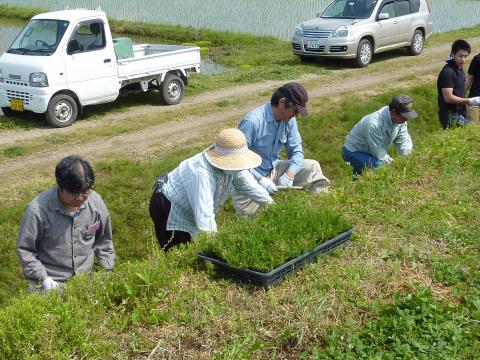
(230, 152)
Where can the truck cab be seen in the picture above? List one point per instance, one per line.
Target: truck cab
(64, 60)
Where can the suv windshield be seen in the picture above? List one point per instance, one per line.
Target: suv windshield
(39, 37)
(350, 9)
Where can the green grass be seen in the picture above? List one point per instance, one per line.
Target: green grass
(300, 221)
(407, 287)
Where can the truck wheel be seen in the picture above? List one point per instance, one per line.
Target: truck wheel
(172, 89)
(364, 53)
(416, 46)
(62, 111)
(7, 111)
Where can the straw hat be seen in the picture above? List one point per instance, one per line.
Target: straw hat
(230, 152)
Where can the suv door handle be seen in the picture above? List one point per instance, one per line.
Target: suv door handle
(107, 60)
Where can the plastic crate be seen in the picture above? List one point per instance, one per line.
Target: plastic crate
(276, 275)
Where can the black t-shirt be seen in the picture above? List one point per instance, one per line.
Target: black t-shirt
(453, 77)
(474, 70)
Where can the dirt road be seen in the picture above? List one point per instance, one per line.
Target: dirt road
(182, 130)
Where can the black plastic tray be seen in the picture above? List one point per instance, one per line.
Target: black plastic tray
(276, 275)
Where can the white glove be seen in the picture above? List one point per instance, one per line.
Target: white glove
(387, 159)
(474, 101)
(268, 184)
(50, 284)
(285, 180)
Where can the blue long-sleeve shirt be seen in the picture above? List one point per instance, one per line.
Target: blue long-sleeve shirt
(266, 136)
(375, 132)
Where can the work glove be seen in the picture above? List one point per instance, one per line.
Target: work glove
(285, 180)
(387, 159)
(50, 284)
(474, 101)
(268, 184)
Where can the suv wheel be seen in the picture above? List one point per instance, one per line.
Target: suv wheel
(416, 46)
(364, 53)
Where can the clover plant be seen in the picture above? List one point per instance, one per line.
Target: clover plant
(295, 224)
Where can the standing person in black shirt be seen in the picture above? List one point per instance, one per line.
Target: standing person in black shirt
(451, 88)
(473, 83)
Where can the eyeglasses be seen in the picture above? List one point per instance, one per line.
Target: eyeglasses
(84, 194)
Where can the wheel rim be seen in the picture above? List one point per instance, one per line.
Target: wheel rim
(62, 111)
(174, 90)
(365, 53)
(418, 42)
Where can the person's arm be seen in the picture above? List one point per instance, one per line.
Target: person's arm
(294, 149)
(473, 69)
(103, 245)
(403, 142)
(200, 195)
(248, 127)
(245, 184)
(450, 98)
(30, 233)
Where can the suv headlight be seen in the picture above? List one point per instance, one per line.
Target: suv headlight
(341, 31)
(298, 30)
(38, 79)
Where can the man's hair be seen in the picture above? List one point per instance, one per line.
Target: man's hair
(281, 93)
(74, 174)
(461, 45)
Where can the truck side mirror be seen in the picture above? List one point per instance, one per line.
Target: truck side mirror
(73, 47)
(383, 16)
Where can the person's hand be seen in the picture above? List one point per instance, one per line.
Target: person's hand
(285, 180)
(268, 184)
(387, 159)
(50, 284)
(474, 101)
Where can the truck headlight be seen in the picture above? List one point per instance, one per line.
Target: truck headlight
(341, 31)
(1, 76)
(298, 30)
(38, 79)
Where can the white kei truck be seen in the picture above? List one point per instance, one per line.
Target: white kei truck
(64, 60)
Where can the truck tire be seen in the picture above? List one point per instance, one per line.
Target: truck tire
(62, 111)
(364, 53)
(7, 111)
(172, 89)
(416, 45)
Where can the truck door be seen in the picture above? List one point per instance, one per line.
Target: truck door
(388, 28)
(90, 63)
(405, 20)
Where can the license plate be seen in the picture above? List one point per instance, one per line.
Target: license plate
(313, 44)
(16, 104)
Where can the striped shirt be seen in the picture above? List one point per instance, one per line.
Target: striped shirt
(197, 190)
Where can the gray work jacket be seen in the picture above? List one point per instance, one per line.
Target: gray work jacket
(53, 243)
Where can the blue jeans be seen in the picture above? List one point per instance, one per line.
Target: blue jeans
(360, 160)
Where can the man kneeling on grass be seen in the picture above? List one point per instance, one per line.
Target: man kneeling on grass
(64, 228)
(367, 143)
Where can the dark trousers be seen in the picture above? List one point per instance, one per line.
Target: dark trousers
(159, 211)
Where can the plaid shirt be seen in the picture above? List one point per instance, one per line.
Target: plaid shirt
(197, 190)
(52, 242)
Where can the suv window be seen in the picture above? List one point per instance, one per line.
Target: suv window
(87, 37)
(415, 4)
(350, 9)
(388, 8)
(402, 7)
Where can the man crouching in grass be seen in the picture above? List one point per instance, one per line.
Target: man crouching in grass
(64, 228)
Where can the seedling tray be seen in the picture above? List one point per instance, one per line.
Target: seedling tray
(275, 276)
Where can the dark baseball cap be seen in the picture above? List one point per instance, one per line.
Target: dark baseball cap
(404, 105)
(298, 95)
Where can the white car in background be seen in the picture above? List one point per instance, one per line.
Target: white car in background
(357, 29)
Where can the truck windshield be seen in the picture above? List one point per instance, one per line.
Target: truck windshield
(350, 9)
(39, 37)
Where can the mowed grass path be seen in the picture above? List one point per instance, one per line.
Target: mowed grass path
(407, 287)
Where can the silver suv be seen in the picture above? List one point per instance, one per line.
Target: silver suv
(356, 29)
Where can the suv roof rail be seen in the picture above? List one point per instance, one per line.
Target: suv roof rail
(98, 8)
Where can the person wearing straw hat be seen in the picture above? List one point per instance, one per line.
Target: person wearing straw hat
(185, 201)
(268, 129)
(367, 143)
